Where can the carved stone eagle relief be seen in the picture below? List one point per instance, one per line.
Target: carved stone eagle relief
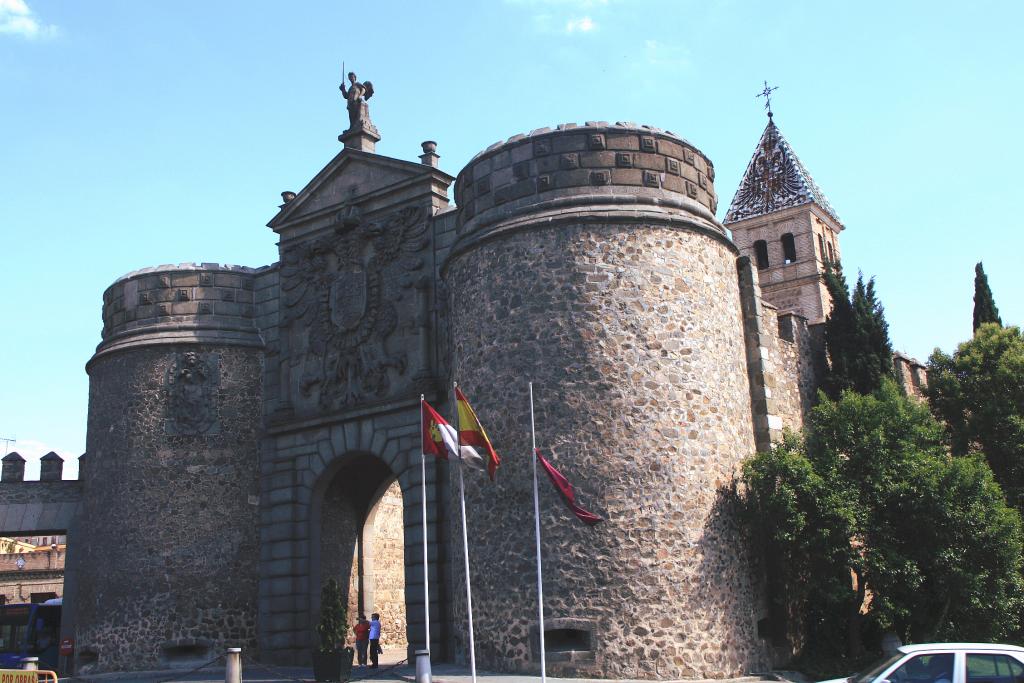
(341, 297)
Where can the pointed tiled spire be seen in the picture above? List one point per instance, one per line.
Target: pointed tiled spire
(775, 179)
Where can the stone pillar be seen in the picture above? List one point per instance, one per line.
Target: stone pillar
(766, 420)
(171, 561)
(13, 468)
(589, 261)
(364, 138)
(430, 157)
(51, 467)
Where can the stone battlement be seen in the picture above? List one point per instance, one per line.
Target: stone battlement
(188, 265)
(616, 170)
(185, 303)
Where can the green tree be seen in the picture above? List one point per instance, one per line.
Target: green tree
(985, 310)
(978, 392)
(871, 504)
(856, 336)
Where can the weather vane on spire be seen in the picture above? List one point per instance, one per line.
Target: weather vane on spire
(767, 95)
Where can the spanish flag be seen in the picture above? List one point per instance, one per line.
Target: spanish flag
(472, 433)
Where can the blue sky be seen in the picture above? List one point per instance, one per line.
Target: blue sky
(143, 133)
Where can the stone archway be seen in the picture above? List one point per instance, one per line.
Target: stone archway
(378, 571)
(359, 538)
(305, 471)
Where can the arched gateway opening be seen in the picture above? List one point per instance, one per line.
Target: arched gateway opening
(361, 544)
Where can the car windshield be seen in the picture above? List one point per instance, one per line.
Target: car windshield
(872, 672)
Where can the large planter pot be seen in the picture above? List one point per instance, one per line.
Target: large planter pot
(333, 666)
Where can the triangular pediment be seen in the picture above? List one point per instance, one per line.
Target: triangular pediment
(352, 175)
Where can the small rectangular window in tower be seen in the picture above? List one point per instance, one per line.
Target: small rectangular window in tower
(761, 251)
(788, 248)
(821, 247)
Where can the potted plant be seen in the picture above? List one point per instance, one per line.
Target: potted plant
(332, 661)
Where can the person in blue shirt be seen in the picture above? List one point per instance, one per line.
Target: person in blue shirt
(375, 649)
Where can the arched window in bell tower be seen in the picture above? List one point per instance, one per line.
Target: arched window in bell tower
(821, 247)
(788, 248)
(761, 251)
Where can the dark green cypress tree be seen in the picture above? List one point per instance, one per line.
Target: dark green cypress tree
(874, 361)
(839, 332)
(985, 310)
(856, 337)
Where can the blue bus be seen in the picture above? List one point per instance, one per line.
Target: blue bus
(29, 630)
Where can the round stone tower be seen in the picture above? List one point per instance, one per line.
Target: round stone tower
(588, 259)
(168, 564)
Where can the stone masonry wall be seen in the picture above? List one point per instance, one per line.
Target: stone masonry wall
(795, 286)
(634, 340)
(19, 588)
(389, 569)
(911, 374)
(169, 572)
(42, 572)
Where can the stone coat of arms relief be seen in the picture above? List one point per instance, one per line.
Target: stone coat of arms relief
(191, 387)
(343, 295)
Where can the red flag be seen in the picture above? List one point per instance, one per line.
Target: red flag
(565, 488)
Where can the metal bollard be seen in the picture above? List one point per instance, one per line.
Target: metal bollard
(423, 666)
(30, 664)
(233, 665)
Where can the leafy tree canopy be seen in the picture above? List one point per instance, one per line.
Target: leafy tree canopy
(869, 525)
(978, 392)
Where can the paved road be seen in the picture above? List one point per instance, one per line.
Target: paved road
(389, 672)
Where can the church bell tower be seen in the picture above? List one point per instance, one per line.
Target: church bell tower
(781, 219)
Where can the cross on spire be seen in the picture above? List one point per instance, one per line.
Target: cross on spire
(767, 95)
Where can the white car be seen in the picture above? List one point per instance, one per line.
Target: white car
(946, 663)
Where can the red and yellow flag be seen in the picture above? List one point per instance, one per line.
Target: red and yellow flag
(472, 433)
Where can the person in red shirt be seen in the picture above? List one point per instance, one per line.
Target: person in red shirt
(362, 629)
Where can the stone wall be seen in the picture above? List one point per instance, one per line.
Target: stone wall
(801, 359)
(42, 572)
(796, 286)
(621, 304)
(911, 374)
(21, 587)
(389, 568)
(29, 507)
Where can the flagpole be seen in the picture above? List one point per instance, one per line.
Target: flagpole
(423, 496)
(465, 540)
(536, 522)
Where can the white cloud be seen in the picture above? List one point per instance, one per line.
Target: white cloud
(32, 450)
(16, 18)
(580, 25)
